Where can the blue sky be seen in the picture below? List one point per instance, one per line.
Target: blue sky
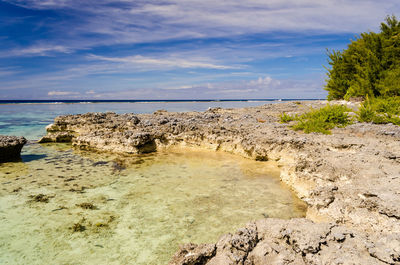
(175, 49)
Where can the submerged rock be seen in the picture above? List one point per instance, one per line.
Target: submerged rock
(10, 147)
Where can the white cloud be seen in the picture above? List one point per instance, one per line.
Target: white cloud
(262, 81)
(227, 92)
(36, 50)
(169, 62)
(45, 49)
(62, 93)
(177, 88)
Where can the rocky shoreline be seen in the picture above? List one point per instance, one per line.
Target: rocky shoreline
(350, 179)
(10, 147)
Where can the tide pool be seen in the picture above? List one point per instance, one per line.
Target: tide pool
(61, 206)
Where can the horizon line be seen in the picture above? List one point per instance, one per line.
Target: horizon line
(151, 100)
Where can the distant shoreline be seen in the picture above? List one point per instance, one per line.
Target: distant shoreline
(3, 102)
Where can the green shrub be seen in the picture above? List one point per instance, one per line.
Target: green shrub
(317, 125)
(366, 113)
(324, 119)
(285, 118)
(380, 110)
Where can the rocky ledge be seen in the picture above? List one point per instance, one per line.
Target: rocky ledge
(350, 180)
(10, 147)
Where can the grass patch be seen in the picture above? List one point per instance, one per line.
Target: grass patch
(380, 110)
(321, 120)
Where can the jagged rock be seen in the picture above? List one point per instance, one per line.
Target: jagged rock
(234, 249)
(192, 254)
(296, 241)
(10, 147)
(350, 179)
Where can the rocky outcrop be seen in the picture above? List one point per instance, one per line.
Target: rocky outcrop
(10, 147)
(296, 241)
(350, 179)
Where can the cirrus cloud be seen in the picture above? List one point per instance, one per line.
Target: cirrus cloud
(116, 22)
(169, 62)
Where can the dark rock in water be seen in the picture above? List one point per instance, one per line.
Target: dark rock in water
(10, 147)
(118, 165)
(87, 205)
(40, 198)
(99, 163)
(78, 227)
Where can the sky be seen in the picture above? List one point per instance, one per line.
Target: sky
(176, 49)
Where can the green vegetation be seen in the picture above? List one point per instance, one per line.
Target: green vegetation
(380, 110)
(369, 69)
(320, 120)
(370, 66)
(285, 118)
(375, 110)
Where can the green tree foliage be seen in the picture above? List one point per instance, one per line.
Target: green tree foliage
(369, 66)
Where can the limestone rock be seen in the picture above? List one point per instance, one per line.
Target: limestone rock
(10, 147)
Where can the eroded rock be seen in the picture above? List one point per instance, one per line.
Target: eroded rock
(10, 147)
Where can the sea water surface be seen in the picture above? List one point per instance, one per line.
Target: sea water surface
(64, 206)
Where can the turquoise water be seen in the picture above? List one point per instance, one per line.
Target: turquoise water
(144, 206)
(30, 120)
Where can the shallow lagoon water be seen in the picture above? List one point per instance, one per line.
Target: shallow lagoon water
(107, 209)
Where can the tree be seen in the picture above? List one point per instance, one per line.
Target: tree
(369, 66)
